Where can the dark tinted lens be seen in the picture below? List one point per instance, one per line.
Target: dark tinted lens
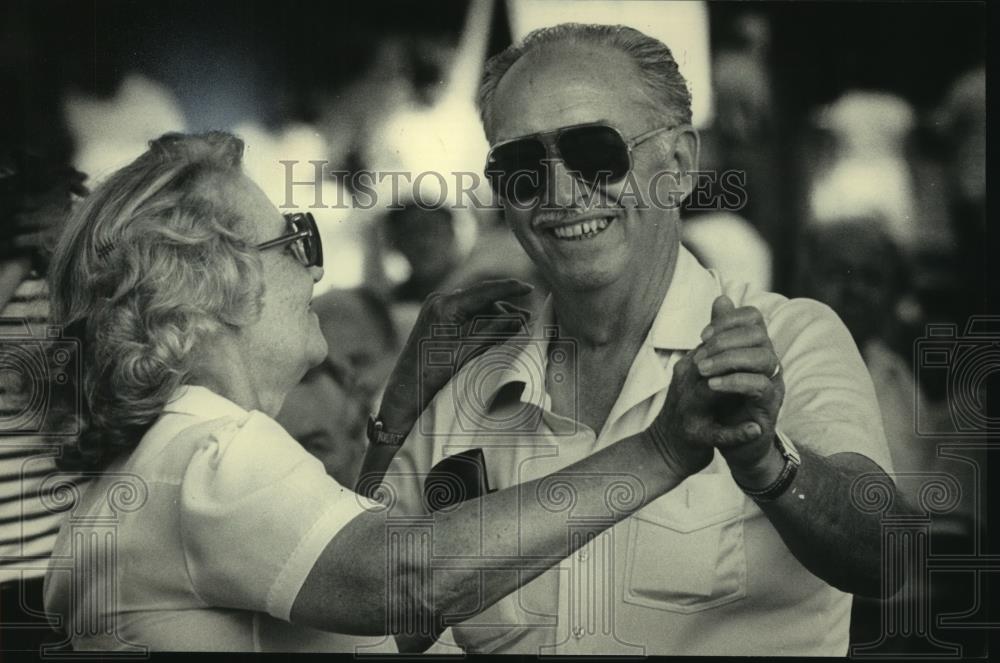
(598, 153)
(515, 170)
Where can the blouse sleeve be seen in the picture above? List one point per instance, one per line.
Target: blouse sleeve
(256, 512)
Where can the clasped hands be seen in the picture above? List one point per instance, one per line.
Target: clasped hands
(725, 394)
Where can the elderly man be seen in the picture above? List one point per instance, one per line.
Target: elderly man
(759, 549)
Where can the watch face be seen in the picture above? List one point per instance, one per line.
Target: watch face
(379, 436)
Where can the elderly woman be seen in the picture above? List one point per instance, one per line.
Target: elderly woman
(191, 296)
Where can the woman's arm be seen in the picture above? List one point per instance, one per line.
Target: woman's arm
(360, 585)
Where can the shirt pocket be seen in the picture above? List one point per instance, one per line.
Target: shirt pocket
(686, 551)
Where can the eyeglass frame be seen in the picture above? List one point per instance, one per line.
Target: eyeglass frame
(311, 230)
(552, 145)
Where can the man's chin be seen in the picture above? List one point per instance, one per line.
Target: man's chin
(586, 279)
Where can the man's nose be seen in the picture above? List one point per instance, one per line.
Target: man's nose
(316, 273)
(564, 189)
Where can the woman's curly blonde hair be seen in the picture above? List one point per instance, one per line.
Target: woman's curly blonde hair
(150, 263)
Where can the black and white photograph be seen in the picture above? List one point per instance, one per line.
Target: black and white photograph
(614, 328)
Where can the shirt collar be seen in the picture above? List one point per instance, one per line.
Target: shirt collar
(687, 307)
(686, 311)
(522, 358)
(203, 403)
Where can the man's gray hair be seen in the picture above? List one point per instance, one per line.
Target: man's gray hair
(665, 86)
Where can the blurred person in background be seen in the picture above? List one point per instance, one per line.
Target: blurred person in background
(410, 249)
(962, 124)
(854, 266)
(426, 238)
(864, 169)
(434, 242)
(37, 190)
(496, 254)
(746, 132)
(327, 413)
(328, 410)
(359, 331)
(190, 294)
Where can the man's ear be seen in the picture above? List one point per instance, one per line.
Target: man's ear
(679, 162)
(684, 158)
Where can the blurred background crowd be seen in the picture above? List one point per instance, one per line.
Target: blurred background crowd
(860, 130)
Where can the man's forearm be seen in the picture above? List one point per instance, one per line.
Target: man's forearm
(818, 521)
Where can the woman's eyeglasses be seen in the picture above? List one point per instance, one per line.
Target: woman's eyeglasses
(596, 152)
(303, 235)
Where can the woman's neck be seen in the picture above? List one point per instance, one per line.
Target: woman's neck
(222, 368)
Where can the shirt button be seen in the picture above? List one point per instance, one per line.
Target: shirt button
(578, 632)
(582, 555)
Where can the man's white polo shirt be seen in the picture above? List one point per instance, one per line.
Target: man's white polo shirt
(698, 571)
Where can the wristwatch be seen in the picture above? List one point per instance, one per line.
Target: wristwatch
(778, 487)
(379, 436)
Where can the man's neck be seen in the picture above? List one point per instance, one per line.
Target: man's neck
(619, 314)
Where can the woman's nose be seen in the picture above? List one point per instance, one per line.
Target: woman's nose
(316, 273)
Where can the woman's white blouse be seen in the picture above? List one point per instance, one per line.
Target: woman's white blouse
(201, 538)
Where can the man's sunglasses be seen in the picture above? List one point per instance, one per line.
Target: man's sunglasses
(303, 235)
(595, 152)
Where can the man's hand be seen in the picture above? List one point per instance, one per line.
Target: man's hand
(414, 381)
(723, 396)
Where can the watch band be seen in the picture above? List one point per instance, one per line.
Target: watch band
(785, 478)
(379, 436)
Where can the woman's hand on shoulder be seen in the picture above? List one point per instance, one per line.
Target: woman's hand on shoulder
(451, 329)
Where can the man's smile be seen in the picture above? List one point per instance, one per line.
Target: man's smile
(583, 229)
(577, 227)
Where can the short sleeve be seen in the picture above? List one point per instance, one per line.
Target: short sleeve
(830, 404)
(256, 512)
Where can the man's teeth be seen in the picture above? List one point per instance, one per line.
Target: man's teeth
(581, 230)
